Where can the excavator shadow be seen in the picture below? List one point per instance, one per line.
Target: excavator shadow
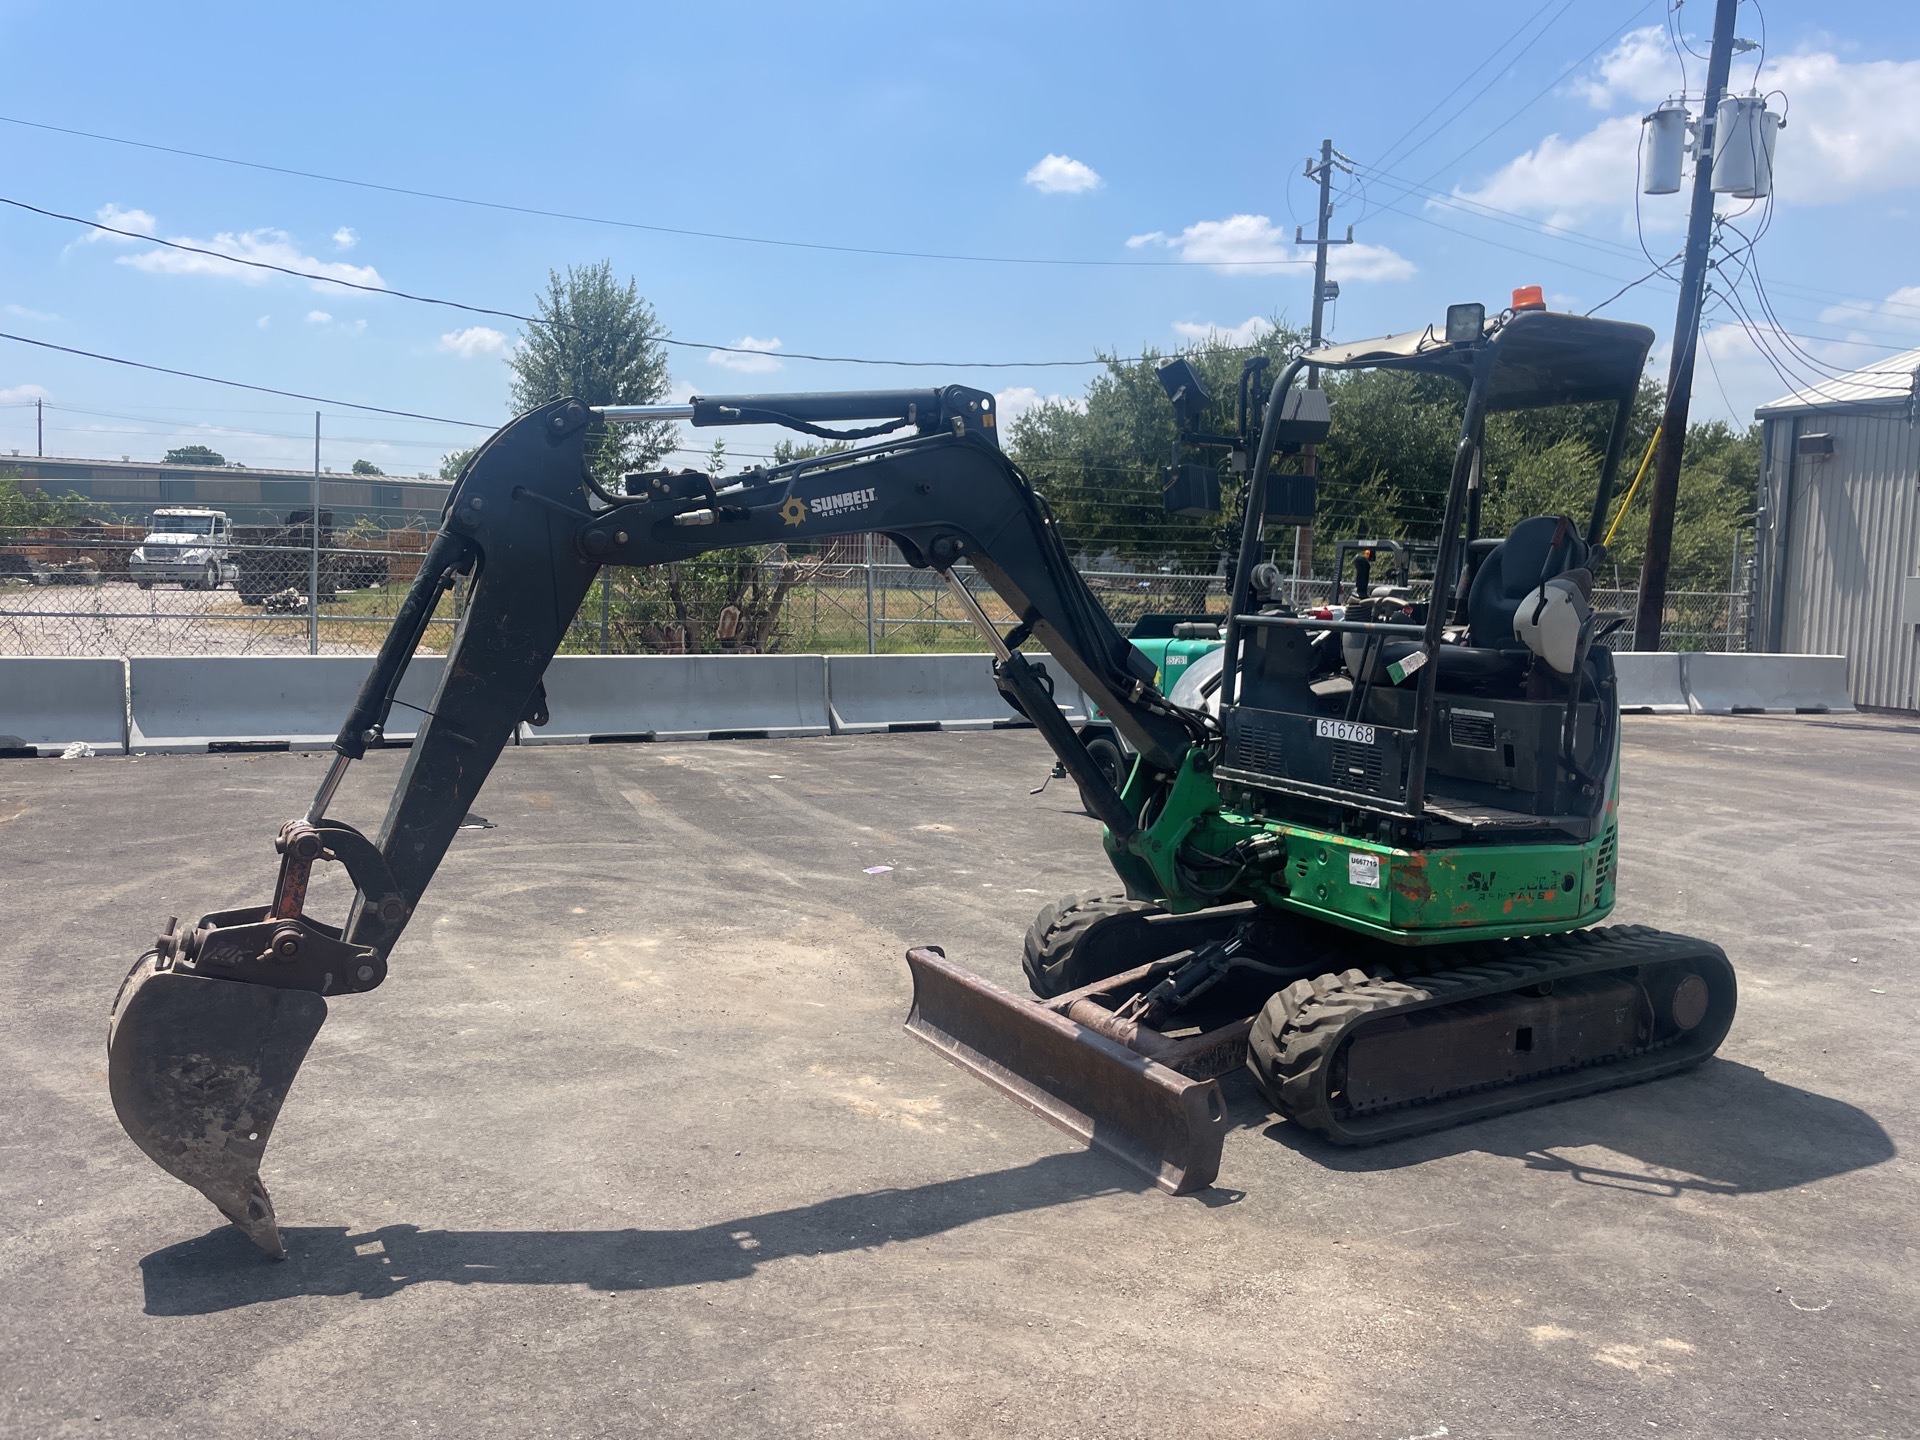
(223, 1271)
(1722, 1129)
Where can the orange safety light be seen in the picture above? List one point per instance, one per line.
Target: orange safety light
(1529, 297)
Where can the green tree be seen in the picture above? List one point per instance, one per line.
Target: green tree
(1719, 488)
(193, 455)
(598, 340)
(454, 461)
(367, 467)
(1098, 459)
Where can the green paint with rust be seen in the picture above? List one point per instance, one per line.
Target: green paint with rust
(1441, 895)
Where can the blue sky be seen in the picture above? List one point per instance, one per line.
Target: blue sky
(1169, 139)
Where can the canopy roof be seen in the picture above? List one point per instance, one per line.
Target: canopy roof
(1540, 358)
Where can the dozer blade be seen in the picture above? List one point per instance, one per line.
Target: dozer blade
(199, 1069)
(1141, 1113)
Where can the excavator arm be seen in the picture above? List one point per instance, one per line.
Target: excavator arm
(211, 1027)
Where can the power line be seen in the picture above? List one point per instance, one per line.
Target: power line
(1540, 94)
(536, 320)
(631, 224)
(1491, 80)
(1465, 80)
(242, 384)
(1659, 268)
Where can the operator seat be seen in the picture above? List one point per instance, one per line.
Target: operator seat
(1512, 570)
(1507, 574)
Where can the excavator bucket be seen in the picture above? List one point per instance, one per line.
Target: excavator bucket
(1136, 1110)
(199, 1069)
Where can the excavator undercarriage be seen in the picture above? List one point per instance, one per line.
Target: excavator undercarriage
(1364, 854)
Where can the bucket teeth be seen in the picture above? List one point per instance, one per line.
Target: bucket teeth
(198, 1069)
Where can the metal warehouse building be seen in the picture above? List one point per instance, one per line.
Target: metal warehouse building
(134, 489)
(1839, 528)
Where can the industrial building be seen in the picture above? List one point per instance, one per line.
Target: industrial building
(130, 490)
(1838, 528)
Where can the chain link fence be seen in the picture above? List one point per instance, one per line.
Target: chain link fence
(81, 591)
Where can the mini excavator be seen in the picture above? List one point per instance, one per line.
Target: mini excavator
(1362, 853)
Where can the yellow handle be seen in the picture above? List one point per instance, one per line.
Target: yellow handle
(1641, 475)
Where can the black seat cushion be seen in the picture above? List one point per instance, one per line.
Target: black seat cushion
(1463, 667)
(1511, 572)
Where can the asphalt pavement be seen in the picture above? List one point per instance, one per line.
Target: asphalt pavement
(632, 1141)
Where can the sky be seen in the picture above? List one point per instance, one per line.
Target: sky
(1000, 183)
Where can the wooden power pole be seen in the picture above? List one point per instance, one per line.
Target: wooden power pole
(1686, 338)
(1303, 536)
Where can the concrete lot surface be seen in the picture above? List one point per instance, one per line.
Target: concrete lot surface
(632, 1142)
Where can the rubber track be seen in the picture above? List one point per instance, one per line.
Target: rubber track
(1301, 1029)
(1061, 927)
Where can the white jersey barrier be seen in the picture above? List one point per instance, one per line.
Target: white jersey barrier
(867, 693)
(597, 699)
(1734, 684)
(185, 704)
(1651, 683)
(48, 704)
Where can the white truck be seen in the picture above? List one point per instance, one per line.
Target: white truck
(188, 546)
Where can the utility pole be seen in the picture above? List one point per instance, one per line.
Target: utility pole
(313, 551)
(1686, 337)
(1303, 535)
(40, 427)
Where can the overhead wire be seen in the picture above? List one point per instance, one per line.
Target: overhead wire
(577, 217)
(1464, 81)
(242, 384)
(1491, 80)
(1543, 92)
(515, 315)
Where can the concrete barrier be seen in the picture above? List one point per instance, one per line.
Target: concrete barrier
(1651, 683)
(292, 702)
(1734, 684)
(600, 698)
(47, 704)
(928, 692)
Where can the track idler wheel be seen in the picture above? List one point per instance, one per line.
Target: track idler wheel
(199, 1068)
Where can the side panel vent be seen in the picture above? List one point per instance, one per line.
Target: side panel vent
(1357, 767)
(1259, 748)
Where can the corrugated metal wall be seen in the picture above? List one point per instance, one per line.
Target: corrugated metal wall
(1852, 540)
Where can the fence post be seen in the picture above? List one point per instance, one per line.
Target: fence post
(606, 605)
(313, 551)
(869, 569)
(1733, 588)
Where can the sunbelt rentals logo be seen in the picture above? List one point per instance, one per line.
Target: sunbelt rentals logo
(795, 511)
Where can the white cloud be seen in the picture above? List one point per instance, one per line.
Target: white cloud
(1063, 175)
(1900, 310)
(1017, 400)
(473, 342)
(1854, 129)
(761, 361)
(272, 247)
(1641, 67)
(346, 237)
(44, 316)
(1245, 333)
(15, 394)
(121, 218)
(1567, 181)
(319, 317)
(1254, 245)
(264, 321)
